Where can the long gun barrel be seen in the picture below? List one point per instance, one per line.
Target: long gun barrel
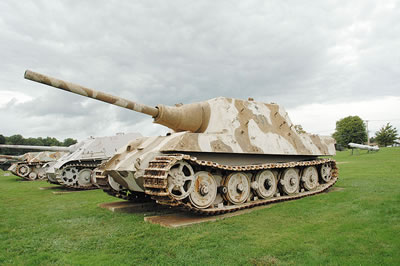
(40, 148)
(363, 147)
(104, 97)
(189, 117)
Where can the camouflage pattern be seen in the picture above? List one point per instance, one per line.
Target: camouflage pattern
(90, 93)
(221, 133)
(228, 125)
(35, 161)
(6, 161)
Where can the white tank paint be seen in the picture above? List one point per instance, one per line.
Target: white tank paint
(269, 142)
(285, 115)
(261, 109)
(307, 142)
(223, 115)
(100, 148)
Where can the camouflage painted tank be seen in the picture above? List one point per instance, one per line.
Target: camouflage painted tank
(6, 161)
(75, 168)
(222, 155)
(30, 165)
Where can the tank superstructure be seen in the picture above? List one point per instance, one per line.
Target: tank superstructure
(74, 169)
(222, 154)
(30, 165)
(6, 161)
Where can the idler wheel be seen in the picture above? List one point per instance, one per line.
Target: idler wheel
(266, 184)
(238, 185)
(204, 191)
(290, 181)
(84, 177)
(23, 170)
(326, 172)
(310, 178)
(181, 180)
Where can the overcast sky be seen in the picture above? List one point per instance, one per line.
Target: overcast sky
(321, 61)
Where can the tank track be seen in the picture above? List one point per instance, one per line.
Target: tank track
(90, 165)
(125, 194)
(155, 181)
(31, 166)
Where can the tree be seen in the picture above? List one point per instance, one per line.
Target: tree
(350, 129)
(15, 140)
(48, 141)
(20, 140)
(69, 141)
(386, 135)
(2, 141)
(33, 141)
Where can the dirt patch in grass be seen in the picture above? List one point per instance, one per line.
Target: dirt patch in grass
(263, 261)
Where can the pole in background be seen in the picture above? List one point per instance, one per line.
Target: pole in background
(366, 122)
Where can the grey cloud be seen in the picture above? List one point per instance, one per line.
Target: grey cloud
(292, 53)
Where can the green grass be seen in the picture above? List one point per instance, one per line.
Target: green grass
(357, 225)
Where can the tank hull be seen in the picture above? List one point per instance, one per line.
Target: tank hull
(222, 155)
(33, 165)
(74, 169)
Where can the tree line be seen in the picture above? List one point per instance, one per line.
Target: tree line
(353, 129)
(20, 140)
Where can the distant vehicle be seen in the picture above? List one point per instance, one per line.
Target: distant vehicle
(363, 147)
(30, 165)
(75, 168)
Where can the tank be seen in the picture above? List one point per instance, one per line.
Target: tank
(6, 161)
(221, 155)
(5, 164)
(75, 168)
(30, 165)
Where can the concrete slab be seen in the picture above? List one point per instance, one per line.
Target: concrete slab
(333, 189)
(181, 219)
(54, 187)
(20, 179)
(132, 207)
(171, 218)
(67, 191)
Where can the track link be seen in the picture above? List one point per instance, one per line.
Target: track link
(81, 165)
(31, 166)
(155, 181)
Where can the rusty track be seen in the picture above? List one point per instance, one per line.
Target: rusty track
(155, 181)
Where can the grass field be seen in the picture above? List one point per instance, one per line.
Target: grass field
(357, 225)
